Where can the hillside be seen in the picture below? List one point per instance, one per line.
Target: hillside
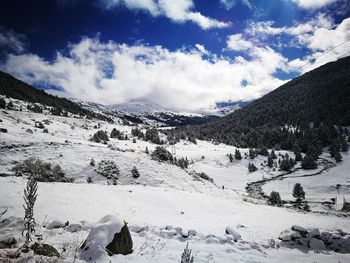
(320, 97)
(14, 88)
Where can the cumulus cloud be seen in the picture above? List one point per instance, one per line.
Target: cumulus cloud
(10, 40)
(238, 43)
(229, 4)
(179, 11)
(327, 44)
(313, 4)
(184, 80)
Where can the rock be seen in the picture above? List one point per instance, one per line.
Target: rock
(286, 235)
(7, 241)
(314, 232)
(3, 130)
(299, 229)
(192, 232)
(233, 232)
(184, 233)
(317, 244)
(109, 236)
(345, 246)
(74, 228)
(56, 223)
(29, 131)
(44, 250)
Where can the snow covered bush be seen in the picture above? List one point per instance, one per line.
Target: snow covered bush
(135, 173)
(108, 169)
(40, 171)
(30, 195)
(162, 154)
(187, 256)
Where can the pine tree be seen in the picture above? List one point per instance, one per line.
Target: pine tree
(146, 150)
(275, 198)
(252, 167)
(2, 103)
(251, 154)
(30, 195)
(298, 156)
(92, 162)
(269, 162)
(273, 154)
(298, 193)
(230, 156)
(238, 155)
(135, 173)
(309, 162)
(338, 157)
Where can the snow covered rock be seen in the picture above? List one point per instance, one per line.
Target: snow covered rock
(56, 223)
(74, 228)
(286, 235)
(316, 244)
(303, 231)
(7, 241)
(233, 232)
(109, 236)
(314, 232)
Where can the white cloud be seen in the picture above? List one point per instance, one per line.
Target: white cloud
(238, 43)
(13, 41)
(179, 11)
(266, 28)
(327, 45)
(115, 73)
(229, 4)
(313, 4)
(202, 49)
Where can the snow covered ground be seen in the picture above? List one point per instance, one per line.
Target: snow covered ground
(165, 200)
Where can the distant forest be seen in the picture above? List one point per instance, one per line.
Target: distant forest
(307, 112)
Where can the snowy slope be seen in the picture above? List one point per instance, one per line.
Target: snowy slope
(165, 200)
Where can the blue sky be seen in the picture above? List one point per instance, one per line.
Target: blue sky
(182, 54)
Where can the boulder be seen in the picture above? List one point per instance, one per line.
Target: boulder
(299, 229)
(7, 241)
(317, 244)
(56, 223)
(314, 232)
(3, 130)
(286, 235)
(44, 250)
(233, 232)
(109, 236)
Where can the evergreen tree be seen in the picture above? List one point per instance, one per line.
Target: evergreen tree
(269, 162)
(146, 150)
(309, 162)
(275, 199)
(251, 154)
(92, 162)
(252, 167)
(338, 157)
(238, 155)
(135, 173)
(230, 156)
(2, 103)
(298, 193)
(10, 104)
(273, 154)
(298, 156)
(30, 195)
(344, 144)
